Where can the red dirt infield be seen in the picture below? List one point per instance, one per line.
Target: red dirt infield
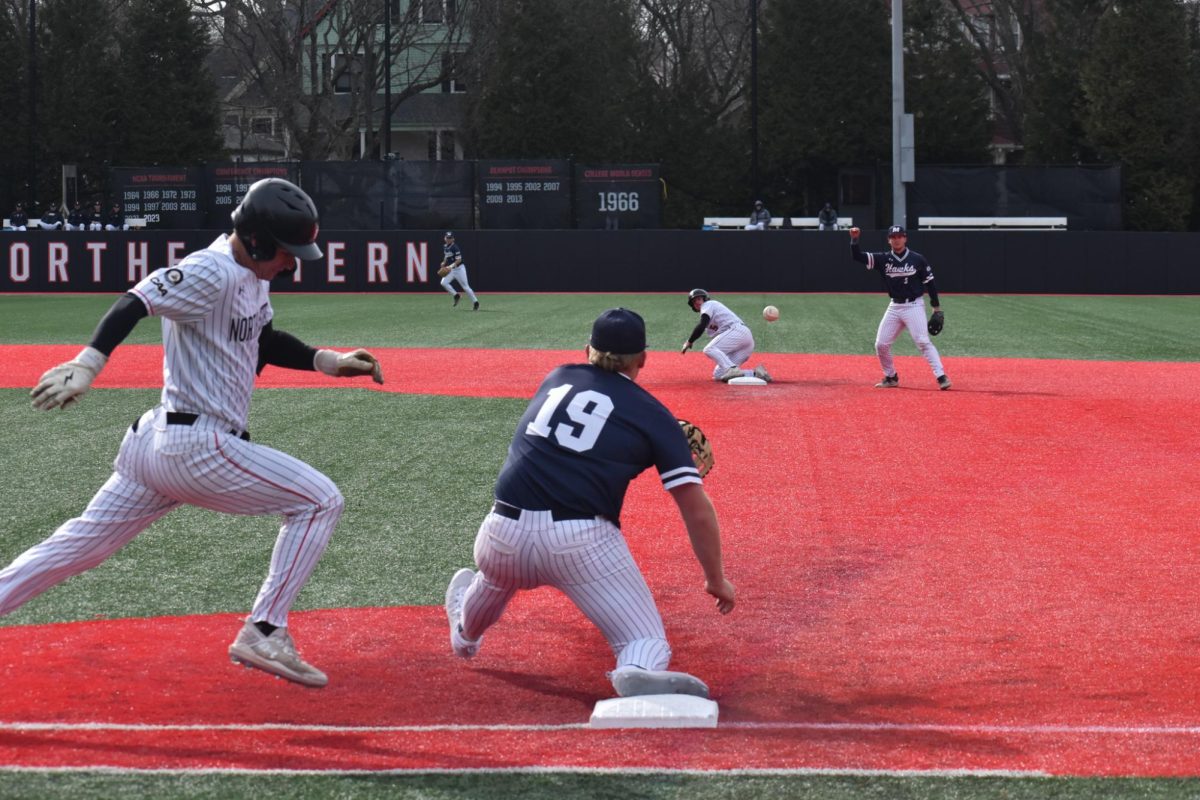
(998, 577)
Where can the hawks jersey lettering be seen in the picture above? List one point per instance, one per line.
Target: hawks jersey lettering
(213, 310)
(904, 275)
(720, 318)
(450, 252)
(585, 435)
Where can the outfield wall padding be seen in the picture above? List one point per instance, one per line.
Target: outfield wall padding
(1063, 262)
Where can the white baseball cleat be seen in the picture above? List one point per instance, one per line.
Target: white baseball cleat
(275, 654)
(732, 372)
(761, 373)
(634, 681)
(462, 646)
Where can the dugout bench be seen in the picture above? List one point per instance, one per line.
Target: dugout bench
(776, 223)
(992, 223)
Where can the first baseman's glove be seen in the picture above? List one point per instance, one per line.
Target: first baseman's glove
(62, 386)
(348, 365)
(936, 323)
(444, 270)
(702, 452)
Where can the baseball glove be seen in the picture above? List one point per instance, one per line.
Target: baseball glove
(702, 452)
(936, 323)
(443, 270)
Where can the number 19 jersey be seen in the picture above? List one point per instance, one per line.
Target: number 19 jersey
(585, 435)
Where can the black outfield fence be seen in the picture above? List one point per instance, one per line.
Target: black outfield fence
(635, 260)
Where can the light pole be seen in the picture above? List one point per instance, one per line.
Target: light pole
(33, 168)
(903, 168)
(754, 97)
(387, 78)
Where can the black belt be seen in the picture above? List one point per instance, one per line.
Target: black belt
(558, 515)
(184, 418)
(906, 302)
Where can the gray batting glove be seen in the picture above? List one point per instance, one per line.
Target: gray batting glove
(62, 386)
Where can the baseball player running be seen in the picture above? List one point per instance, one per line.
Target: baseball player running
(452, 258)
(732, 342)
(907, 276)
(588, 431)
(193, 447)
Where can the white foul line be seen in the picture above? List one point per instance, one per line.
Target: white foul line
(869, 727)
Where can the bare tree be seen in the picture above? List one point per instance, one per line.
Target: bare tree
(321, 63)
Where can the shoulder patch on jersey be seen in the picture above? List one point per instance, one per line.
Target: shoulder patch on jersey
(174, 276)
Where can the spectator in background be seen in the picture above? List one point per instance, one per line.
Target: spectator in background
(51, 219)
(827, 220)
(18, 220)
(114, 220)
(77, 219)
(95, 218)
(760, 217)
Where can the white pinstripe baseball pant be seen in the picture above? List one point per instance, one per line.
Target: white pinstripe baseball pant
(911, 316)
(588, 560)
(459, 274)
(730, 348)
(160, 467)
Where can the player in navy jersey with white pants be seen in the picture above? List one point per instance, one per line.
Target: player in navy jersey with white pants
(452, 257)
(589, 430)
(907, 276)
(193, 447)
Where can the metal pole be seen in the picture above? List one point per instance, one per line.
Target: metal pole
(387, 77)
(899, 201)
(754, 97)
(33, 167)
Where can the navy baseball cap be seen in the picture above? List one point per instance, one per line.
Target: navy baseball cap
(449, 234)
(619, 331)
(897, 230)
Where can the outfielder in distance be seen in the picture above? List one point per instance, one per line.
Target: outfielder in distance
(193, 447)
(453, 269)
(907, 276)
(732, 342)
(590, 430)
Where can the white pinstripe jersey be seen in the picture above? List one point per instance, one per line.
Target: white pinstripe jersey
(213, 310)
(720, 318)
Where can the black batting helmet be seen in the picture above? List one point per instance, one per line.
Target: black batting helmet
(693, 294)
(277, 213)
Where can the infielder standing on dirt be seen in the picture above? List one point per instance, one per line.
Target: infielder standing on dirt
(453, 269)
(193, 447)
(907, 276)
(588, 431)
(732, 342)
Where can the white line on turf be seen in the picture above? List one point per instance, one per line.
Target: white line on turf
(898, 727)
(798, 771)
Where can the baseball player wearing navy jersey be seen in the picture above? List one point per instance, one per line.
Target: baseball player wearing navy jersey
(732, 342)
(589, 430)
(452, 257)
(907, 276)
(193, 447)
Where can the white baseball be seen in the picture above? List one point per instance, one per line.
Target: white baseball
(770, 313)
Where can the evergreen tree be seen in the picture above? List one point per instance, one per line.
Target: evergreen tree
(14, 99)
(942, 88)
(1137, 82)
(79, 110)
(169, 107)
(1054, 100)
(559, 80)
(825, 96)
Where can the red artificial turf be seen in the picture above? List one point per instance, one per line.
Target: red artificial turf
(1002, 576)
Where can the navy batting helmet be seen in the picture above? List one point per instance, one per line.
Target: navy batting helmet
(277, 213)
(693, 294)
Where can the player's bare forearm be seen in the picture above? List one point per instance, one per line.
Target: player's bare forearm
(704, 531)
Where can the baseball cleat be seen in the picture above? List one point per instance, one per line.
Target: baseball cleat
(634, 681)
(944, 382)
(476, 308)
(888, 382)
(275, 654)
(732, 372)
(457, 297)
(761, 373)
(462, 646)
